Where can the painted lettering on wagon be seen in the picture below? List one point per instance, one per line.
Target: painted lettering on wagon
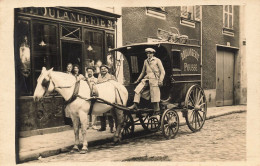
(189, 52)
(190, 67)
(62, 14)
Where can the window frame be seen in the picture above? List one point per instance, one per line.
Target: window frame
(227, 30)
(157, 12)
(187, 20)
(70, 26)
(228, 13)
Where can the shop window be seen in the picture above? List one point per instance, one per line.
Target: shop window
(110, 61)
(228, 20)
(158, 12)
(93, 49)
(70, 32)
(44, 48)
(190, 14)
(23, 57)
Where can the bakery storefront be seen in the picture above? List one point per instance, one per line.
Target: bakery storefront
(54, 37)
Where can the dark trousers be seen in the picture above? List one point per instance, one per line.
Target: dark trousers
(103, 121)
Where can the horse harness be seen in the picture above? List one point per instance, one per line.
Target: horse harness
(93, 99)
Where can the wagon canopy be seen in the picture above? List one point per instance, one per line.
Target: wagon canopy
(140, 47)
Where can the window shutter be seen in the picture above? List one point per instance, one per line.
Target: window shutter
(197, 13)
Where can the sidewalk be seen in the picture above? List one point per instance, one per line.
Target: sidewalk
(31, 148)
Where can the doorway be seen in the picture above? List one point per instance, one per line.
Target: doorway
(225, 78)
(71, 53)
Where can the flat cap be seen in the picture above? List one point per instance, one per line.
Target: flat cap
(90, 67)
(150, 50)
(106, 66)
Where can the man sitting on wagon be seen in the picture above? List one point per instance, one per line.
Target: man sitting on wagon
(155, 73)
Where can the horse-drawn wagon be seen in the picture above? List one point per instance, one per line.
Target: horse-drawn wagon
(181, 90)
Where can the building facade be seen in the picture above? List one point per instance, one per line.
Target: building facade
(54, 37)
(218, 30)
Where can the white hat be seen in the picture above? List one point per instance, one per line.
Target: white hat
(149, 50)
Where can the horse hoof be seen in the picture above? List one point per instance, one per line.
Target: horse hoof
(72, 151)
(83, 151)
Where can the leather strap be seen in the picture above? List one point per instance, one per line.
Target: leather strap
(74, 94)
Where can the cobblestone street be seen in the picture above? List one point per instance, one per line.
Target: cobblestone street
(221, 139)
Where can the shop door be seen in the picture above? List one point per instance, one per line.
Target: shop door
(71, 53)
(225, 78)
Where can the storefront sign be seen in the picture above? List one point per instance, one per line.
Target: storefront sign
(62, 14)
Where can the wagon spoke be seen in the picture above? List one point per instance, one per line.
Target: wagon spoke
(198, 97)
(198, 119)
(195, 117)
(190, 105)
(202, 105)
(191, 100)
(192, 119)
(167, 130)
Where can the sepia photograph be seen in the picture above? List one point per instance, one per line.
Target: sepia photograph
(128, 84)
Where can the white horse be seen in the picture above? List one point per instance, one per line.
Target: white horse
(110, 91)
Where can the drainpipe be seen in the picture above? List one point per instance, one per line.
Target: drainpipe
(201, 48)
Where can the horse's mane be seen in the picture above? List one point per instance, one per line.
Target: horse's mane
(66, 79)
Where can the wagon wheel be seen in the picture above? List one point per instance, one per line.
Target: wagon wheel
(149, 122)
(196, 108)
(170, 123)
(128, 126)
(153, 124)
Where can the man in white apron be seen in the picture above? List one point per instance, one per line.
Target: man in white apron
(155, 73)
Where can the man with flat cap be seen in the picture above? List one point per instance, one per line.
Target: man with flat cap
(152, 74)
(104, 76)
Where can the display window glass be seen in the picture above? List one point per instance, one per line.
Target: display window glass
(94, 48)
(23, 57)
(45, 52)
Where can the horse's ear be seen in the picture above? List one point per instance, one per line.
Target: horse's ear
(49, 71)
(43, 69)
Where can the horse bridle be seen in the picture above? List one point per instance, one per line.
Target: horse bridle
(46, 83)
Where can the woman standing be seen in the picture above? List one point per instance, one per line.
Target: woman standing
(76, 72)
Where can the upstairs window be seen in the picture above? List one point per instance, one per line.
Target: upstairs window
(190, 14)
(228, 16)
(228, 13)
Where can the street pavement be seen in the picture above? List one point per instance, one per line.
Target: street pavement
(41, 146)
(222, 139)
